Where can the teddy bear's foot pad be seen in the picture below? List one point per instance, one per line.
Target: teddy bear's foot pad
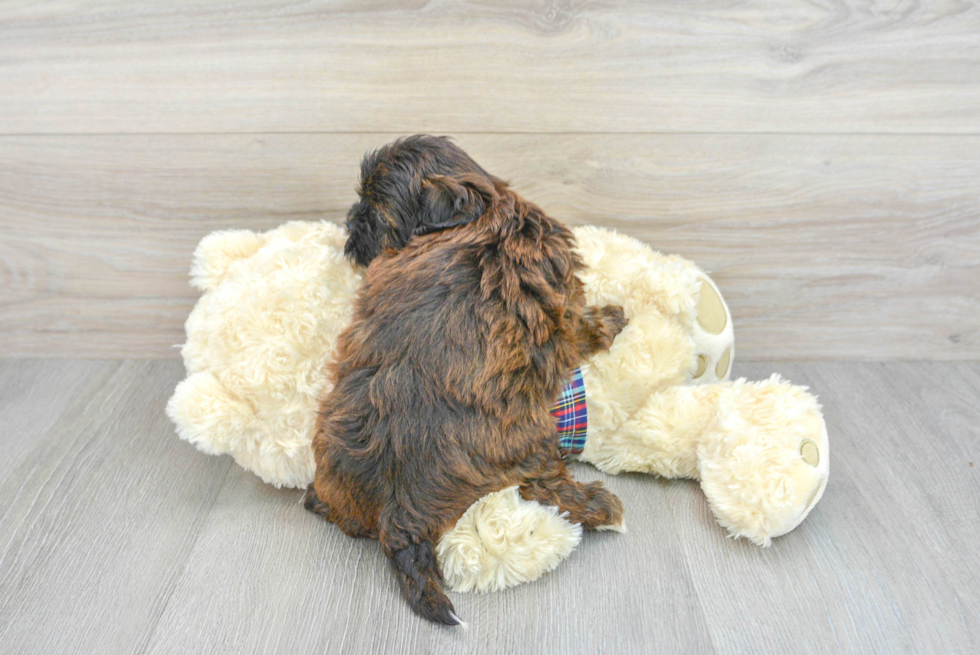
(713, 334)
(711, 310)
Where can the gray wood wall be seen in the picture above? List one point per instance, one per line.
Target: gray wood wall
(822, 159)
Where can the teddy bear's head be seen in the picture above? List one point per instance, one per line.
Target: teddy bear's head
(258, 342)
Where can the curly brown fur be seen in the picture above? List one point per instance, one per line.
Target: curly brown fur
(444, 381)
(396, 203)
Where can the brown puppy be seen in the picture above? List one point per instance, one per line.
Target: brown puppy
(461, 340)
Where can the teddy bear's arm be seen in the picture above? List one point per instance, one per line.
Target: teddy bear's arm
(661, 437)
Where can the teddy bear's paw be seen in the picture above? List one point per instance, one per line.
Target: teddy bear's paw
(713, 334)
(207, 415)
(279, 465)
(503, 540)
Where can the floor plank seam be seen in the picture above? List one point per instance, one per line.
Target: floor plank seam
(143, 644)
(36, 514)
(690, 573)
(350, 598)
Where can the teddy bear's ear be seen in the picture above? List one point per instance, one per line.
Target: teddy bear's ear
(216, 253)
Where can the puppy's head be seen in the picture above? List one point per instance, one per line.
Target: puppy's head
(413, 186)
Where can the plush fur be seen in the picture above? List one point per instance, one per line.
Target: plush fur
(258, 344)
(273, 304)
(444, 381)
(502, 538)
(741, 439)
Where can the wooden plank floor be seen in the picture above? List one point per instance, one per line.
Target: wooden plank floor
(117, 537)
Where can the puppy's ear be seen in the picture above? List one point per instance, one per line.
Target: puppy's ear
(367, 234)
(451, 200)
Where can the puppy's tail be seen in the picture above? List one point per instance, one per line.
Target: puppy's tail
(421, 582)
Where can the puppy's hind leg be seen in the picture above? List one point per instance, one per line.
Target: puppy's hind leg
(350, 526)
(590, 504)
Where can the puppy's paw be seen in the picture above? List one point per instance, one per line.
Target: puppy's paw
(599, 327)
(613, 320)
(603, 509)
(621, 528)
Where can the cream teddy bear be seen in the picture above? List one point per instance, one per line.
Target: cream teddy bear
(659, 401)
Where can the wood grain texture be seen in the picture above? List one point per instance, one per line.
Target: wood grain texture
(34, 395)
(490, 66)
(841, 246)
(100, 516)
(120, 538)
(267, 576)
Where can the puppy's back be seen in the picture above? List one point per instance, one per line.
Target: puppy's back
(444, 380)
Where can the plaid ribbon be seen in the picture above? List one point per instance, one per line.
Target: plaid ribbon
(572, 415)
